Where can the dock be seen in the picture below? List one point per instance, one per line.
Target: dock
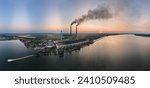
(11, 60)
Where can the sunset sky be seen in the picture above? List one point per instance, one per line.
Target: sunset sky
(56, 15)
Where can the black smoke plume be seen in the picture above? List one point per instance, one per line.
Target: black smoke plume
(101, 12)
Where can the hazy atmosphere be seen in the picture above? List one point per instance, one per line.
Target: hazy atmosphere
(56, 15)
(74, 35)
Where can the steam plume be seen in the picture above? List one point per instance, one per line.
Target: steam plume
(101, 12)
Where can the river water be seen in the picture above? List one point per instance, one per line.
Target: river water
(112, 53)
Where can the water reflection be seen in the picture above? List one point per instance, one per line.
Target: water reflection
(61, 51)
(120, 52)
(123, 52)
(13, 48)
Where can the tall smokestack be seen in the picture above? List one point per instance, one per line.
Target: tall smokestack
(71, 26)
(76, 30)
(61, 35)
(70, 30)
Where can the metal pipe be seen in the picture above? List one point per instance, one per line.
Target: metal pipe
(76, 31)
(70, 30)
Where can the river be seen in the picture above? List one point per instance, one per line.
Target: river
(112, 53)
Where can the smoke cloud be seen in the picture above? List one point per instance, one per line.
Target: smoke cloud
(101, 12)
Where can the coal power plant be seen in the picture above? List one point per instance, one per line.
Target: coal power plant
(63, 43)
(76, 30)
(101, 12)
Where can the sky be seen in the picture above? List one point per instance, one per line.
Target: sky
(56, 15)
